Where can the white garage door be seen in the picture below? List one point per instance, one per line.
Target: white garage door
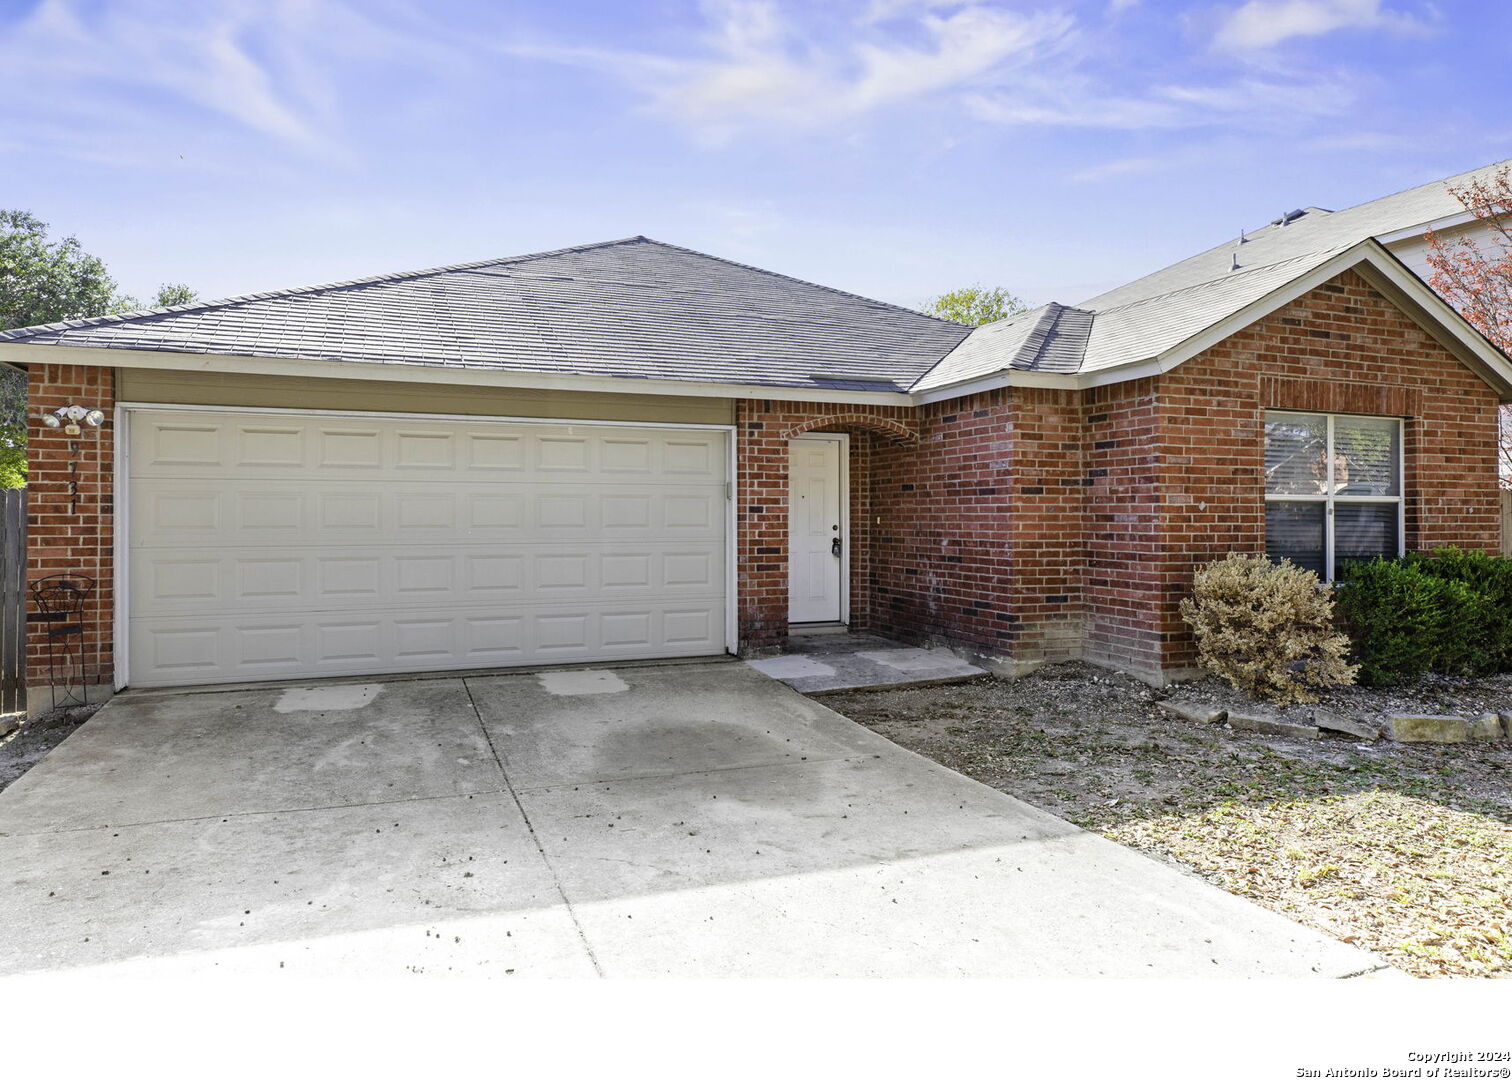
(267, 546)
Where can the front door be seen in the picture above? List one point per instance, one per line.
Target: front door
(816, 540)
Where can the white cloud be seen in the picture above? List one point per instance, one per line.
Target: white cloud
(756, 70)
(1247, 103)
(1110, 170)
(200, 59)
(1260, 24)
(124, 79)
(757, 67)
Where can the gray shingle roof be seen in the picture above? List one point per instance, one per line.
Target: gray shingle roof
(635, 308)
(1052, 338)
(1315, 230)
(1074, 341)
(639, 309)
(1146, 328)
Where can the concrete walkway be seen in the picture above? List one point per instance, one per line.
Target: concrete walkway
(690, 819)
(821, 663)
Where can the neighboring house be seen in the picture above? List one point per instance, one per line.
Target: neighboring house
(632, 450)
(1401, 222)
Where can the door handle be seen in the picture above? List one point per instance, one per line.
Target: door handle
(835, 547)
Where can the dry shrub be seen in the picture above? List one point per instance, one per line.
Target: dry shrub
(1267, 630)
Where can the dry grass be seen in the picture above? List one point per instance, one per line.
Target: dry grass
(1423, 885)
(1403, 850)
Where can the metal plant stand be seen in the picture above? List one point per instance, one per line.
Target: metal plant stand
(60, 603)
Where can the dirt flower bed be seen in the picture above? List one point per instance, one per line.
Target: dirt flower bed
(1405, 850)
(36, 737)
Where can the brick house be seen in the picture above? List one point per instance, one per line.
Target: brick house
(630, 450)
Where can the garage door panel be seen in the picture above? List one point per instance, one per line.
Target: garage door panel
(271, 546)
(184, 581)
(198, 650)
(206, 445)
(275, 513)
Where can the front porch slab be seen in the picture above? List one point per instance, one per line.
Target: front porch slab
(821, 663)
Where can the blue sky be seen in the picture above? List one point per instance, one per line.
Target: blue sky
(896, 148)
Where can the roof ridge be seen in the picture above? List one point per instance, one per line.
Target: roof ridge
(1033, 347)
(804, 281)
(1230, 276)
(1444, 180)
(22, 332)
(1040, 312)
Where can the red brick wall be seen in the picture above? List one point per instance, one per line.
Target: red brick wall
(1039, 524)
(940, 556)
(1045, 526)
(762, 432)
(71, 506)
(1341, 348)
(1122, 573)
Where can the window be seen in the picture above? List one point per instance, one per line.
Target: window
(1333, 489)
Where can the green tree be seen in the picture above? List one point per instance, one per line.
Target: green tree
(975, 305)
(12, 428)
(43, 281)
(172, 294)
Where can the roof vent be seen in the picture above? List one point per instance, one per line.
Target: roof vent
(1288, 217)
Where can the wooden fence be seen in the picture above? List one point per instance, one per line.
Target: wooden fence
(12, 601)
(1506, 537)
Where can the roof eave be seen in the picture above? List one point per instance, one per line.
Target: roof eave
(996, 381)
(1410, 232)
(1375, 263)
(22, 352)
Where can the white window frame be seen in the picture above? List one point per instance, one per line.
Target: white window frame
(1329, 499)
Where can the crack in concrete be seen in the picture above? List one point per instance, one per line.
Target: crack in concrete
(556, 879)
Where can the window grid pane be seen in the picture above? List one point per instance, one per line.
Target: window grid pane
(1333, 488)
(1364, 531)
(1294, 530)
(1295, 447)
(1366, 452)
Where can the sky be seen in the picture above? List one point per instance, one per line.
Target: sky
(893, 148)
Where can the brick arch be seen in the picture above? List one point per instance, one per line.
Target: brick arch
(892, 430)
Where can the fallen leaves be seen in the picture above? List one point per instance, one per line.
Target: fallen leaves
(1402, 850)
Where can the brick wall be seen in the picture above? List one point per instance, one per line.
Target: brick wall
(940, 556)
(1041, 525)
(762, 432)
(1122, 536)
(1340, 348)
(71, 509)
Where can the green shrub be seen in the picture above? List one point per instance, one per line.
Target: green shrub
(1489, 575)
(1267, 629)
(1407, 618)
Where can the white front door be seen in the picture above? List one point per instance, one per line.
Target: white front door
(816, 534)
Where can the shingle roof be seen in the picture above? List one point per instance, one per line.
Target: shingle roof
(633, 308)
(1146, 328)
(641, 309)
(1315, 230)
(1052, 338)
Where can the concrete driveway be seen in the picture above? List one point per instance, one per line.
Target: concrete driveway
(689, 819)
